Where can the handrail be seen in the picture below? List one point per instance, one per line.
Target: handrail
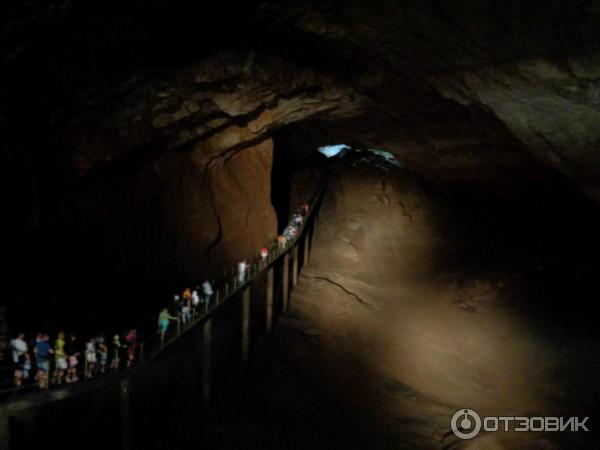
(257, 266)
(155, 345)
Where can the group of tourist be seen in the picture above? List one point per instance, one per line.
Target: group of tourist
(58, 361)
(185, 306)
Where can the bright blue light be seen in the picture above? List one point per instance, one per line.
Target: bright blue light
(332, 150)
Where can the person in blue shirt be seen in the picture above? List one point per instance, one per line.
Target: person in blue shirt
(42, 351)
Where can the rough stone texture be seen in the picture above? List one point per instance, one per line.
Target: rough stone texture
(219, 106)
(200, 219)
(479, 93)
(108, 116)
(552, 105)
(524, 71)
(192, 152)
(166, 178)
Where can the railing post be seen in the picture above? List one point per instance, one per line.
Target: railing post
(295, 266)
(246, 325)
(125, 414)
(306, 247)
(270, 275)
(285, 282)
(207, 360)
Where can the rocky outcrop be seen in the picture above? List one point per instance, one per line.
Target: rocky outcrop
(478, 94)
(522, 81)
(192, 148)
(214, 109)
(552, 105)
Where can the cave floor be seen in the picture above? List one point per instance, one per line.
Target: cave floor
(391, 331)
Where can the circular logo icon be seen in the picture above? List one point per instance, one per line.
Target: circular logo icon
(465, 423)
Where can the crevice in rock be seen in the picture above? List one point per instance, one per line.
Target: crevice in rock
(358, 299)
(230, 152)
(217, 240)
(404, 211)
(244, 119)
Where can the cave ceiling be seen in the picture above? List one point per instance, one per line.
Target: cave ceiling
(462, 91)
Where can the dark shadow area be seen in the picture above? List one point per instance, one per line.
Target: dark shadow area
(281, 181)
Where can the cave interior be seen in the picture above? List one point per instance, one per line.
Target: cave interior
(151, 144)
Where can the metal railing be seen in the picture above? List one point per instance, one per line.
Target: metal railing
(155, 344)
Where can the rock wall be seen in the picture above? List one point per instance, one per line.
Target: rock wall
(214, 217)
(470, 91)
(550, 104)
(189, 156)
(125, 132)
(159, 181)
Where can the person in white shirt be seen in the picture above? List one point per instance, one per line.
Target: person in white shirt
(242, 266)
(19, 348)
(195, 298)
(20, 357)
(207, 292)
